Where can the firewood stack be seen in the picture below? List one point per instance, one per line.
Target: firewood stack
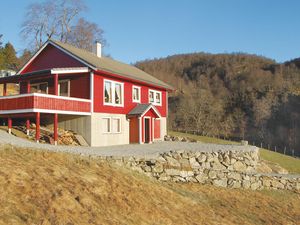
(65, 137)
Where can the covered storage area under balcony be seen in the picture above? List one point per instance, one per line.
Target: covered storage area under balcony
(45, 94)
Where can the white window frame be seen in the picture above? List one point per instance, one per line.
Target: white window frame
(110, 125)
(154, 96)
(120, 125)
(37, 84)
(139, 91)
(109, 119)
(113, 85)
(69, 88)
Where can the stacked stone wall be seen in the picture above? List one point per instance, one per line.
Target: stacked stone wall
(231, 169)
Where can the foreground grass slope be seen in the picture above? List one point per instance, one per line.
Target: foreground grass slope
(53, 188)
(289, 163)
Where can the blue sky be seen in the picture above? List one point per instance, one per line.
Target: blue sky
(145, 29)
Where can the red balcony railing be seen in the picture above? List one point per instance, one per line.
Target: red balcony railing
(37, 102)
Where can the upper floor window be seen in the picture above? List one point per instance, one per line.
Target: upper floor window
(136, 94)
(113, 93)
(39, 88)
(64, 88)
(155, 97)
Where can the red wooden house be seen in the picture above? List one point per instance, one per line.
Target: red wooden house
(106, 101)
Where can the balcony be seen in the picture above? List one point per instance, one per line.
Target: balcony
(44, 103)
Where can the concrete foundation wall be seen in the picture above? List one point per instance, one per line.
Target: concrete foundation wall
(78, 124)
(92, 128)
(100, 138)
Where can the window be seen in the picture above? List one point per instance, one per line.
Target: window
(108, 92)
(106, 125)
(155, 97)
(111, 125)
(64, 88)
(136, 94)
(116, 125)
(118, 94)
(39, 88)
(158, 97)
(113, 93)
(151, 97)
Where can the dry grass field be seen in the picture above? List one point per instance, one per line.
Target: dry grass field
(54, 188)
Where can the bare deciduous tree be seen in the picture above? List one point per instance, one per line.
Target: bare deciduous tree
(40, 24)
(59, 20)
(84, 34)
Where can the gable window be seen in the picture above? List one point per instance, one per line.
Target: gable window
(111, 125)
(136, 94)
(64, 88)
(155, 97)
(113, 93)
(39, 88)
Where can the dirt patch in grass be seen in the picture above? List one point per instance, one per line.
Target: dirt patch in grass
(54, 188)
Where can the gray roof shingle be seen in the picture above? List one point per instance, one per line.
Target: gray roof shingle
(110, 65)
(139, 109)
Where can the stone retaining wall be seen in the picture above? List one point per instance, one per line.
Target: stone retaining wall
(232, 169)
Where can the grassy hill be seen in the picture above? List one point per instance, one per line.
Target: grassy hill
(53, 188)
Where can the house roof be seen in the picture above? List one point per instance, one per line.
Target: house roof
(109, 65)
(141, 109)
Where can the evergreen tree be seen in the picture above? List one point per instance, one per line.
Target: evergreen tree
(10, 57)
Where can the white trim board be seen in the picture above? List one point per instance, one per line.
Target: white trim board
(43, 111)
(92, 90)
(69, 70)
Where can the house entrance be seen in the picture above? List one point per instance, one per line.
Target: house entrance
(147, 130)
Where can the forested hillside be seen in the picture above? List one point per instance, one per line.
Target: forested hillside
(233, 95)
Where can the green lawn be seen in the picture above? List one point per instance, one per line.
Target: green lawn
(203, 139)
(290, 163)
(287, 162)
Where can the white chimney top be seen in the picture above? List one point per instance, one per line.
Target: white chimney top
(98, 49)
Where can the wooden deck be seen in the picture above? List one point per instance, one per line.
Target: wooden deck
(44, 103)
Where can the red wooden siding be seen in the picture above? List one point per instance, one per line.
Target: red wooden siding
(134, 130)
(51, 57)
(80, 86)
(16, 103)
(156, 129)
(41, 102)
(61, 104)
(128, 104)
